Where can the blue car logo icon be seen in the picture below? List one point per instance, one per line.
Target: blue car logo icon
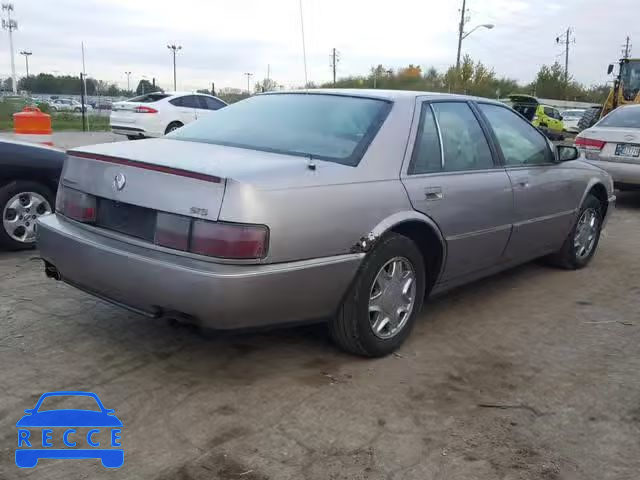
(39, 428)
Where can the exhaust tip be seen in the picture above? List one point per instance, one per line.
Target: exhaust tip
(51, 271)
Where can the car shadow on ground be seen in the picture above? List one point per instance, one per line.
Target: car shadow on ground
(629, 200)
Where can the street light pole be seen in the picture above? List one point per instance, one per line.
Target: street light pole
(249, 75)
(26, 59)
(10, 25)
(128, 74)
(174, 49)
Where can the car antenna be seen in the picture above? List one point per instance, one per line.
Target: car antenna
(304, 50)
(311, 165)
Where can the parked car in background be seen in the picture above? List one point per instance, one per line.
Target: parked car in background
(28, 181)
(156, 114)
(570, 118)
(347, 205)
(613, 144)
(69, 105)
(546, 118)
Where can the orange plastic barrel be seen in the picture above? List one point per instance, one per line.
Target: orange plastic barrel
(32, 125)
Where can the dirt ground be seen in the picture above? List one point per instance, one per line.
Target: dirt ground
(533, 374)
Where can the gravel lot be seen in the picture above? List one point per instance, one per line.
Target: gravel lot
(532, 374)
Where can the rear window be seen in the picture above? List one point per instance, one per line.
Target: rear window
(328, 127)
(148, 98)
(622, 117)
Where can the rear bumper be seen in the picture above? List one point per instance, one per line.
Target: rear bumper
(216, 295)
(622, 173)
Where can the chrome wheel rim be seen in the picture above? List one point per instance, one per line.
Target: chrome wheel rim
(586, 233)
(20, 214)
(392, 298)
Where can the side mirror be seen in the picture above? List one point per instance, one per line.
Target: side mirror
(560, 117)
(610, 69)
(566, 153)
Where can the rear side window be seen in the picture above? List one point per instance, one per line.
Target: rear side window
(149, 98)
(426, 155)
(628, 117)
(463, 142)
(212, 103)
(189, 101)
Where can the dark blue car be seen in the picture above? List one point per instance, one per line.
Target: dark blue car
(32, 448)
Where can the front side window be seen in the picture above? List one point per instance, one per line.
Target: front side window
(329, 127)
(212, 103)
(520, 142)
(463, 142)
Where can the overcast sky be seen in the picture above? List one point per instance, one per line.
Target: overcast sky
(223, 39)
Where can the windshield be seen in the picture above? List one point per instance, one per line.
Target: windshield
(572, 114)
(77, 402)
(328, 127)
(630, 76)
(623, 117)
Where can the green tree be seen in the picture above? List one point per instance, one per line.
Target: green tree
(145, 86)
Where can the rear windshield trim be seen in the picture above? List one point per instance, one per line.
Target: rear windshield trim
(351, 161)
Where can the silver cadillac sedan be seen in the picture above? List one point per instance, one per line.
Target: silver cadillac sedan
(349, 206)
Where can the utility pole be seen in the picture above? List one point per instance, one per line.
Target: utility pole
(128, 74)
(335, 58)
(26, 59)
(461, 32)
(10, 25)
(174, 49)
(249, 75)
(566, 43)
(626, 48)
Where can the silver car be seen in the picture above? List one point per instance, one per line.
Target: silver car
(613, 144)
(349, 206)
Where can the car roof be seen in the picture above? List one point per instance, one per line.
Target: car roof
(392, 95)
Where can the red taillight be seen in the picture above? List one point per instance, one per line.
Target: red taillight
(76, 205)
(226, 240)
(143, 109)
(589, 143)
(172, 231)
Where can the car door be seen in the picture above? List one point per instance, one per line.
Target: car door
(185, 108)
(452, 176)
(544, 192)
(207, 105)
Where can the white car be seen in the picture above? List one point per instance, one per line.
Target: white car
(156, 114)
(613, 144)
(68, 105)
(570, 119)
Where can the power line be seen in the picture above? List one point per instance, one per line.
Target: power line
(566, 42)
(10, 25)
(335, 58)
(626, 48)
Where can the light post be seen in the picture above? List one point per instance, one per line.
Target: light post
(26, 59)
(174, 49)
(249, 75)
(462, 35)
(128, 74)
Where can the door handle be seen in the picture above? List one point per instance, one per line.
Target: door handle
(433, 193)
(522, 182)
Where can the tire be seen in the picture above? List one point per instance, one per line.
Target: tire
(173, 126)
(568, 257)
(134, 137)
(589, 118)
(351, 328)
(13, 193)
(77, 110)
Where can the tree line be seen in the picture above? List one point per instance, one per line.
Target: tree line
(473, 78)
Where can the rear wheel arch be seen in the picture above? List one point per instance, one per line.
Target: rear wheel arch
(423, 231)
